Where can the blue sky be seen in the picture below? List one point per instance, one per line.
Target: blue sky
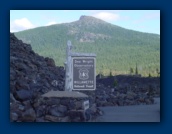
(139, 20)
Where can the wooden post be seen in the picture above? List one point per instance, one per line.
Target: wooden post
(68, 65)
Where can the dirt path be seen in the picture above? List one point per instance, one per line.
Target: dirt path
(139, 113)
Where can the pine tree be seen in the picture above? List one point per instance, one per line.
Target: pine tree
(131, 71)
(150, 75)
(110, 74)
(157, 71)
(136, 71)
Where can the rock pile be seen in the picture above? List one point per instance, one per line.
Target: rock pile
(124, 90)
(31, 72)
(31, 76)
(64, 110)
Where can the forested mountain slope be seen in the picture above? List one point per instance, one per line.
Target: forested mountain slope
(117, 49)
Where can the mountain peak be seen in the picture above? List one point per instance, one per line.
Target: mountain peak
(90, 20)
(84, 17)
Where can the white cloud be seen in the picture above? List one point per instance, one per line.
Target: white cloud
(51, 23)
(20, 24)
(107, 16)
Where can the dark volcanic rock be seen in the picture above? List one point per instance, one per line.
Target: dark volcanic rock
(55, 112)
(130, 90)
(14, 116)
(23, 95)
(22, 84)
(30, 71)
(30, 76)
(29, 115)
(40, 111)
(51, 118)
(77, 115)
(50, 62)
(62, 109)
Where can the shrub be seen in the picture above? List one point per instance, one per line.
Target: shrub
(115, 83)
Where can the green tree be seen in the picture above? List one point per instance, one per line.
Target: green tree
(136, 71)
(115, 83)
(110, 74)
(150, 75)
(131, 71)
(158, 72)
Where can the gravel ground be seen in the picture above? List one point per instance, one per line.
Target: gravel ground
(137, 113)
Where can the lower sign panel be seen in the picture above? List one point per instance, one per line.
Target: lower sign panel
(83, 73)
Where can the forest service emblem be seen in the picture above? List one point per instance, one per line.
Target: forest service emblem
(83, 74)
